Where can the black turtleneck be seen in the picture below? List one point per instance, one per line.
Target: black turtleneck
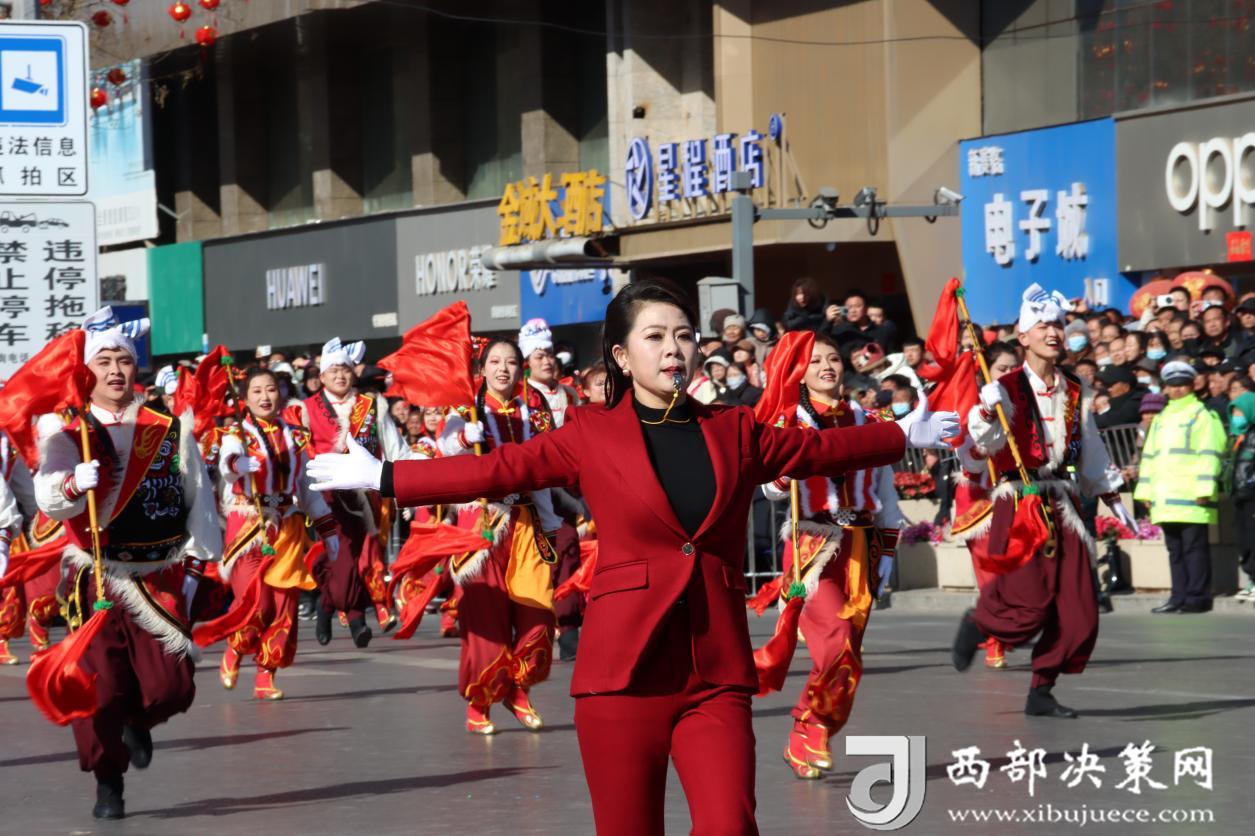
(677, 450)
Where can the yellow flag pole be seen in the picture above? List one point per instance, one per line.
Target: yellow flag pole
(92, 514)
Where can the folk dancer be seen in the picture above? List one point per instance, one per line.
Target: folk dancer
(158, 528)
(847, 538)
(267, 503)
(336, 413)
(551, 400)
(1058, 446)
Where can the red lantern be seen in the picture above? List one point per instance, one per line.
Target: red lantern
(98, 98)
(206, 35)
(102, 18)
(180, 11)
(116, 76)
(209, 5)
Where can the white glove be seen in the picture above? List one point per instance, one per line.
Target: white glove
(991, 394)
(924, 429)
(354, 470)
(86, 476)
(331, 548)
(244, 465)
(473, 432)
(1123, 515)
(189, 590)
(4, 556)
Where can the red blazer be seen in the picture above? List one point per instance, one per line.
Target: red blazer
(645, 559)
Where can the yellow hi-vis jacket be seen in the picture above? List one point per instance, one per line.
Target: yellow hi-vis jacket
(1181, 462)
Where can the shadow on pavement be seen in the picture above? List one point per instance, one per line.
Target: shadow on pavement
(334, 792)
(193, 744)
(370, 692)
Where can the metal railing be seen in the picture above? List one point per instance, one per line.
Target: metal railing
(1123, 443)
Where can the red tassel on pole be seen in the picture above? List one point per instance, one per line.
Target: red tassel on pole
(59, 688)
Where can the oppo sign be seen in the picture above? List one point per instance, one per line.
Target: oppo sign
(1210, 175)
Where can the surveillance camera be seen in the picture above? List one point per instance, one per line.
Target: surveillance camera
(829, 196)
(946, 197)
(865, 196)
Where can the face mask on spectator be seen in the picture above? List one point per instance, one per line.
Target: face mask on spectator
(735, 380)
(1156, 354)
(900, 409)
(1077, 342)
(1152, 387)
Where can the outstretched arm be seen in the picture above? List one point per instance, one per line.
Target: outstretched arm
(547, 461)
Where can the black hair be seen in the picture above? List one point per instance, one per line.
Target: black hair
(256, 371)
(899, 381)
(909, 341)
(996, 349)
(483, 358)
(857, 294)
(621, 316)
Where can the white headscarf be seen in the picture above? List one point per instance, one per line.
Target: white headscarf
(1040, 306)
(105, 331)
(534, 334)
(167, 380)
(334, 353)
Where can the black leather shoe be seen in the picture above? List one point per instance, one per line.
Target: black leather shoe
(322, 628)
(1041, 703)
(360, 632)
(109, 804)
(965, 642)
(139, 742)
(1167, 608)
(1202, 607)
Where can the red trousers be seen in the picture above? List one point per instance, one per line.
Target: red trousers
(832, 623)
(626, 738)
(504, 643)
(271, 634)
(1052, 595)
(355, 581)
(137, 683)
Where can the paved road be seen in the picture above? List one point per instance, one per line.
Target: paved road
(372, 742)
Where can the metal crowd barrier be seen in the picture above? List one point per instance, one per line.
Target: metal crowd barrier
(1123, 443)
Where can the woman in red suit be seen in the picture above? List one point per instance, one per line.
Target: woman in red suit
(667, 669)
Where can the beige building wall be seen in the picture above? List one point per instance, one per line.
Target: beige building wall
(876, 93)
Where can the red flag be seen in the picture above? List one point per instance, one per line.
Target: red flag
(785, 368)
(428, 544)
(58, 687)
(958, 393)
(412, 615)
(772, 659)
(433, 365)
(766, 595)
(943, 335)
(581, 579)
(28, 565)
(55, 378)
(1027, 534)
(205, 392)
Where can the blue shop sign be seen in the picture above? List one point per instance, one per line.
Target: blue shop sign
(1040, 206)
(564, 297)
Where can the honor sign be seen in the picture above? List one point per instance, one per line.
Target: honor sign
(452, 271)
(303, 286)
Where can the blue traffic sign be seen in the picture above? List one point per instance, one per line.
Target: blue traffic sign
(32, 80)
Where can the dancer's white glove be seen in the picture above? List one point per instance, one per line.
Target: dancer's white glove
(884, 570)
(331, 547)
(473, 432)
(86, 476)
(926, 429)
(991, 395)
(355, 470)
(244, 465)
(4, 556)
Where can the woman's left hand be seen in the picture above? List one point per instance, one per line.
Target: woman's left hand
(924, 429)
